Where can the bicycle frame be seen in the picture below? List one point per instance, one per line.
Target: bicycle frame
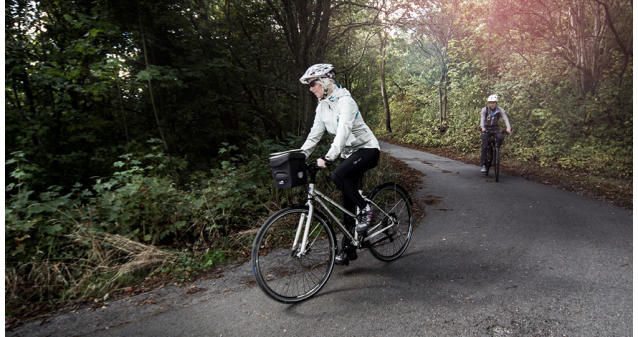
(492, 141)
(315, 195)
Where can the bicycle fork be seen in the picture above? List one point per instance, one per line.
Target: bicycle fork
(306, 229)
(301, 222)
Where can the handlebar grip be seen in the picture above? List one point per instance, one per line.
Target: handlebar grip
(314, 164)
(328, 162)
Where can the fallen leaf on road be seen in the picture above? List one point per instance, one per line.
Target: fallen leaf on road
(194, 290)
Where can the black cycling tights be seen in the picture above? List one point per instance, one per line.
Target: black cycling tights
(347, 175)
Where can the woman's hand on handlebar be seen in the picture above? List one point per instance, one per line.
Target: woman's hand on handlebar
(509, 131)
(323, 163)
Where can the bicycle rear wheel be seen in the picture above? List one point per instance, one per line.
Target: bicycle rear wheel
(497, 162)
(279, 270)
(394, 240)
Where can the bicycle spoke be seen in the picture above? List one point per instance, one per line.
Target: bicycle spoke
(397, 214)
(288, 275)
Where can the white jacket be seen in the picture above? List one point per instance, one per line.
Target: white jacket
(340, 116)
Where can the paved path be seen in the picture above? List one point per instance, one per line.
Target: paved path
(513, 258)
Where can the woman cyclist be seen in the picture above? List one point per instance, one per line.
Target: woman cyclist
(489, 122)
(353, 141)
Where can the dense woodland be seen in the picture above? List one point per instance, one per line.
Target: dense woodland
(131, 125)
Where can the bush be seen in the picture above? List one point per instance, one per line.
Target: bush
(85, 241)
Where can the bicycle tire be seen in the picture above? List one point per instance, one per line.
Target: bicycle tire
(396, 202)
(488, 159)
(279, 272)
(497, 163)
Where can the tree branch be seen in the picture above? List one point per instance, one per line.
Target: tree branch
(621, 44)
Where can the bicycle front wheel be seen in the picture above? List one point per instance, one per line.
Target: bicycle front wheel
(488, 159)
(281, 270)
(497, 163)
(397, 221)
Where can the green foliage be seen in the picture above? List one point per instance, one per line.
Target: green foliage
(562, 115)
(140, 202)
(560, 130)
(35, 229)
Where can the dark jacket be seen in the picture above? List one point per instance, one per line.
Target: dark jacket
(491, 122)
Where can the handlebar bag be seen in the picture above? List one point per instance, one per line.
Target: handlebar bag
(288, 170)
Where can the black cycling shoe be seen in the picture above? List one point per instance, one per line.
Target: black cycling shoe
(344, 257)
(352, 254)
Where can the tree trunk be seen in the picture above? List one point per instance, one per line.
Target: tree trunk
(150, 89)
(441, 118)
(443, 91)
(384, 95)
(305, 24)
(119, 92)
(445, 95)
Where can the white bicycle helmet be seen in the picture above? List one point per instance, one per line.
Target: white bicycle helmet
(317, 71)
(492, 98)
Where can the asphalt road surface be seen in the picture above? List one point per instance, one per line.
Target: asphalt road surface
(513, 258)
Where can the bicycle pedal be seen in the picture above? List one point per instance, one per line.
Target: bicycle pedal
(344, 263)
(342, 259)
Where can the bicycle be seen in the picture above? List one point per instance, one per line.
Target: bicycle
(294, 251)
(492, 157)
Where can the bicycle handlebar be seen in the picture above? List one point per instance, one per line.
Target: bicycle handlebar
(329, 163)
(504, 132)
(313, 165)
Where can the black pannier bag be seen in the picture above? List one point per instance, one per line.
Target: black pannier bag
(288, 170)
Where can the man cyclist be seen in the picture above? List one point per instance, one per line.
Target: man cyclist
(489, 122)
(353, 141)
